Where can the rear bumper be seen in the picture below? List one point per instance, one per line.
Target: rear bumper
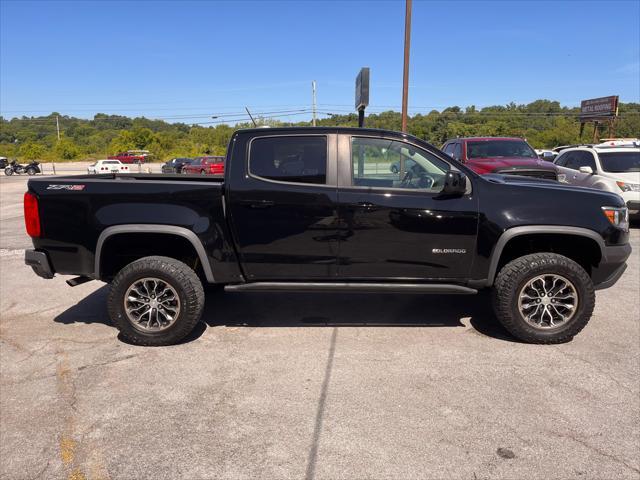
(39, 262)
(611, 267)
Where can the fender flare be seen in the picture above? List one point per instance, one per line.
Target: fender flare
(537, 229)
(150, 228)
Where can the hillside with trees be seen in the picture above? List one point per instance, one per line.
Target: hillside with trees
(543, 123)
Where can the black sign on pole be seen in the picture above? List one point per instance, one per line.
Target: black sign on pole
(362, 93)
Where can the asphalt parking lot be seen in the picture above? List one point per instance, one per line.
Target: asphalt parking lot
(317, 386)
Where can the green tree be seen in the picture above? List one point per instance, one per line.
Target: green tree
(66, 149)
(31, 151)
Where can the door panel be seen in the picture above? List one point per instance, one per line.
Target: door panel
(392, 232)
(287, 229)
(405, 235)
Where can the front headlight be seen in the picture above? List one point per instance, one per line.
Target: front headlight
(618, 216)
(629, 187)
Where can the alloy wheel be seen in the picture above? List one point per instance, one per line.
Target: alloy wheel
(548, 301)
(151, 304)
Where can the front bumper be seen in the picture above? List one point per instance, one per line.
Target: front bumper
(611, 267)
(39, 262)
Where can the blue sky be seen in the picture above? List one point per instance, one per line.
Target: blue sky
(166, 59)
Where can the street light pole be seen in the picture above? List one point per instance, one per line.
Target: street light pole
(405, 80)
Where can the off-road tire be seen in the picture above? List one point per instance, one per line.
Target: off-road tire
(182, 278)
(513, 276)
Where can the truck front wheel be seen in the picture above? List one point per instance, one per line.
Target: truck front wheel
(156, 301)
(543, 298)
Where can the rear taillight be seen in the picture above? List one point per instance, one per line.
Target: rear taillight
(31, 215)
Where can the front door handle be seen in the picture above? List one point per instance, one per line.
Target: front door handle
(258, 203)
(365, 206)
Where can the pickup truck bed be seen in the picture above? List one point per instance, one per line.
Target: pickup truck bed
(327, 209)
(144, 211)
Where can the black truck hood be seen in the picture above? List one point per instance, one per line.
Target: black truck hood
(551, 185)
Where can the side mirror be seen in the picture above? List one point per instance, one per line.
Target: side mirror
(548, 156)
(587, 170)
(455, 184)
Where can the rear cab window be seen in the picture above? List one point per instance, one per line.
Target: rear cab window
(291, 159)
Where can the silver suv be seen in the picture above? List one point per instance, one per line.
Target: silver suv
(611, 166)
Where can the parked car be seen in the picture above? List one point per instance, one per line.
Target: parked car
(512, 156)
(317, 209)
(175, 165)
(613, 166)
(4, 161)
(205, 166)
(107, 166)
(131, 156)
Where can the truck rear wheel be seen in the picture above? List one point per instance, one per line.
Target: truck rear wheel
(156, 301)
(543, 298)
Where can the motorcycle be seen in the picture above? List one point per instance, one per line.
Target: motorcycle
(30, 169)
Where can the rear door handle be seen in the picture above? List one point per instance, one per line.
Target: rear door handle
(258, 203)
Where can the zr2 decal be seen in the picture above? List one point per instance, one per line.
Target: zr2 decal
(66, 187)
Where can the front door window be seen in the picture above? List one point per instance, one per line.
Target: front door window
(393, 164)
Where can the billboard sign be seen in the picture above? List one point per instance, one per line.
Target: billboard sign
(595, 108)
(362, 89)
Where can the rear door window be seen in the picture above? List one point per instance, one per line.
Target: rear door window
(295, 159)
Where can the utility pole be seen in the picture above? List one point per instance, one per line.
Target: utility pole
(313, 92)
(407, 45)
(53, 162)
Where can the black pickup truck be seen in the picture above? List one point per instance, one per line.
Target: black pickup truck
(320, 209)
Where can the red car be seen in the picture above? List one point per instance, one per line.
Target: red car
(507, 155)
(205, 166)
(132, 156)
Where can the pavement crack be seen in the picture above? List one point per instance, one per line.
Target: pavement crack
(596, 367)
(594, 449)
(315, 443)
(108, 362)
(41, 472)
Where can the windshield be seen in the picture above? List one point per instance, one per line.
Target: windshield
(620, 162)
(500, 148)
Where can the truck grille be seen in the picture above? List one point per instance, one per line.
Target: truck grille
(544, 174)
